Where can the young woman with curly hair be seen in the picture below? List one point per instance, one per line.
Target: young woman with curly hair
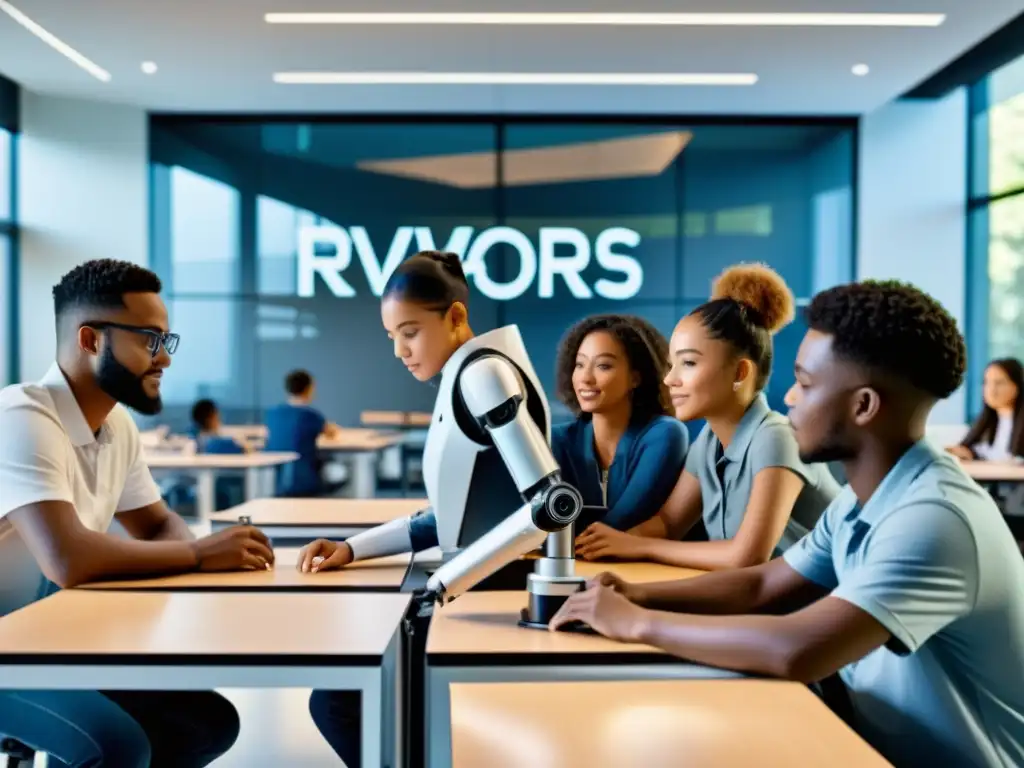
(623, 451)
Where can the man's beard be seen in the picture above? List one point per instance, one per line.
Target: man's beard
(827, 452)
(124, 386)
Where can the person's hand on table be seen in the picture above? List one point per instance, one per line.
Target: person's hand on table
(324, 555)
(600, 540)
(239, 548)
(604, 610)
(632, 592)
(960, 451)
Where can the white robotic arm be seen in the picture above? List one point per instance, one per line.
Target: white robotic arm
(496, 398)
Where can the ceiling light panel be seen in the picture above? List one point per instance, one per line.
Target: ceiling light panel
(55, 42)
(515, 78)
(619, 19)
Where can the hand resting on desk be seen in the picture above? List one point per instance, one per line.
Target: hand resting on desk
(604, 609)
(323, 555)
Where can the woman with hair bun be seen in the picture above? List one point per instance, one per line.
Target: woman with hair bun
(743, 473)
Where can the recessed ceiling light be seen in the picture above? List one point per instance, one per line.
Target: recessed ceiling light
(860, 69)
(512, 78)
(149, 67)
(623, 19)
(55, 42)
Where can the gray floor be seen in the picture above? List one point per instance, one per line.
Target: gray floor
(276, 731)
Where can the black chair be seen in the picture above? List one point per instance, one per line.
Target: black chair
(17, 754)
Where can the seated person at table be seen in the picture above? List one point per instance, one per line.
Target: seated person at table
(998, 433)
(206, 425)
(295, 427)
(230, 491)
(910, 584)
(70, 462)
(743, 475)
(622, 452)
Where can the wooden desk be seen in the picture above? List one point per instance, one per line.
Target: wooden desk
(383, 574)
(476, 639)
(655, 724)
(302, 520)
(395, 419)
(100, 639)
(637, 573)
(995, 471)
(258, 467)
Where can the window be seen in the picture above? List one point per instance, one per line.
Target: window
(5, 314)
(996, 221)
(275, 238)
(6, 174)
(204, 234)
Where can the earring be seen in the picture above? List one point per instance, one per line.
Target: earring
(736, 386)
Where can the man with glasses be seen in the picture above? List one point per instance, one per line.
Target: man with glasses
(70, 462)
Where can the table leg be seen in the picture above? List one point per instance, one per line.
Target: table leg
(252, 483)
(363, 482)
(206, 501)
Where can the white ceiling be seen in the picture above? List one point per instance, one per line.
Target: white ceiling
(220, 55)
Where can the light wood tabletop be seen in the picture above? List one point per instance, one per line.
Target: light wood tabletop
(321, 512)
(158, 460)
(484, 625)
(995, 471)
(636, 572)
(395, 418)
(172, 626)
(655, 724)
(358, 441)
(381, 574)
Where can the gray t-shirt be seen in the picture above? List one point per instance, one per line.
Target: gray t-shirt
(930, 558)
(763, 439)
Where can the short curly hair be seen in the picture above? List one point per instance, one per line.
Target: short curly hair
(102, 284)
(893, 328)
(646, 350)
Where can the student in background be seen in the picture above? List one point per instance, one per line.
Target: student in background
(623, 451)
(295, 427)
(910, 584)
(998, 433)
(742, 474)
(206, 423)
(70, 462)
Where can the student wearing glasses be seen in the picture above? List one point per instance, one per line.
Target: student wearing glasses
(70, 462)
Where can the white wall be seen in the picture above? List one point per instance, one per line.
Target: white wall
(912, 205)
(83, 186)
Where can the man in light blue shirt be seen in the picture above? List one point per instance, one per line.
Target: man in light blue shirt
(910, 586)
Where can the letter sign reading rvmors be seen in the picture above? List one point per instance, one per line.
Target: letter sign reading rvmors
(537, 264)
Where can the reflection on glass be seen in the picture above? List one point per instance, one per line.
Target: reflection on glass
(6, 173)
(277, 240)
(204, 234)
(1006, 277)
(565, 221)
(5, 296)
(204, 364)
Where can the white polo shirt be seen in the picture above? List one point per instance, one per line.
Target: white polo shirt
(48, 453)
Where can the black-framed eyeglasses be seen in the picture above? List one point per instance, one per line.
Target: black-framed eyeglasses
(168, 341)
